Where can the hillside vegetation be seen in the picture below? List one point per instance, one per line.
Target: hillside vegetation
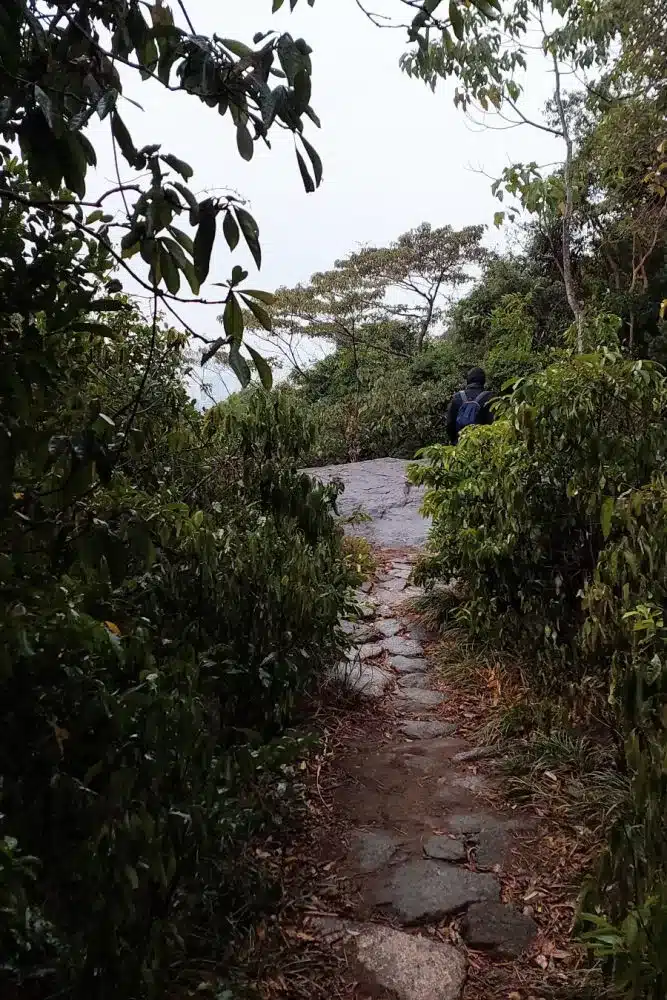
(173, 587)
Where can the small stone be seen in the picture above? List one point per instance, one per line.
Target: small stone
(416, 699)
(477, 753)
(420, 681)
(445, 849)
(407, 665)
(493, 848)
(369, 651)
(419, 633)
(411, 594)
(420, 891)
(363, 632)
(396, 646)
(389, 627)
(427, 730)
(372, 849)
(394, 583)
(363, 679)
(366, 587)
(472, 823)
(408, 966)
(498, 928)
(387, 600)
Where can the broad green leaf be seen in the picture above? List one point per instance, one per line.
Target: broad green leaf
(250, 231)
(182, 238)
(212, 350)
(308, 182)
(259, 312)
(169, 271)
(232, 318)
(244, 142)
(190, 200)
(239, 366)
(180, 166)
(266, 297)
(123, 138)
(263, 368)
(230, 230)
(314, 159)
(204, 240)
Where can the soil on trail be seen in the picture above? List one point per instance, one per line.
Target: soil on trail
(415, 860)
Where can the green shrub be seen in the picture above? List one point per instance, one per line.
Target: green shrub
(157, 634)
(519, 507)
(555, 521)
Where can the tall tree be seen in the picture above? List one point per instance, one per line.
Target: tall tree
(381, 300)
(424, 265)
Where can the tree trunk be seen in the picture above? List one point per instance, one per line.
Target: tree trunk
(568, 211)
(426, 322)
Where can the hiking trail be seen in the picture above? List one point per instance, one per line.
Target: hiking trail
(419, 839)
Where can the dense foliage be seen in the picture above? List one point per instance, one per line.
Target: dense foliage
(171, 585)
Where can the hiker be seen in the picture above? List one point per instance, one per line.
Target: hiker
(470, 406)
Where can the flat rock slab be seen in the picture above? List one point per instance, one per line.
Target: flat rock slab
(472, 823)
(370, 651)
(427, 730)
(422, 891)
(445, 849)
(412, 681)
(389, 627)
(372, 849)
(493, 848)
(363, 679)
(397, 646)
(409, 966)
(380, 489)
(498, 928)
(414, 698)
(408, 665)
(361, 632)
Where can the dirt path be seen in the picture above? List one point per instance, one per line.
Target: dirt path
(415, 880)
(417, 836)
(413, 847)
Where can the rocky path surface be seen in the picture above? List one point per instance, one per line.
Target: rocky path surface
(379, 488)
(422, 846)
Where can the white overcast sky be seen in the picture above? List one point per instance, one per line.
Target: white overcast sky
(394, 154)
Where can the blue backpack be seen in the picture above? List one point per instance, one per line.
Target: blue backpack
(470, 410)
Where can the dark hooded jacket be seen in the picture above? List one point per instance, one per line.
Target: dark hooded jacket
(473, 390)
